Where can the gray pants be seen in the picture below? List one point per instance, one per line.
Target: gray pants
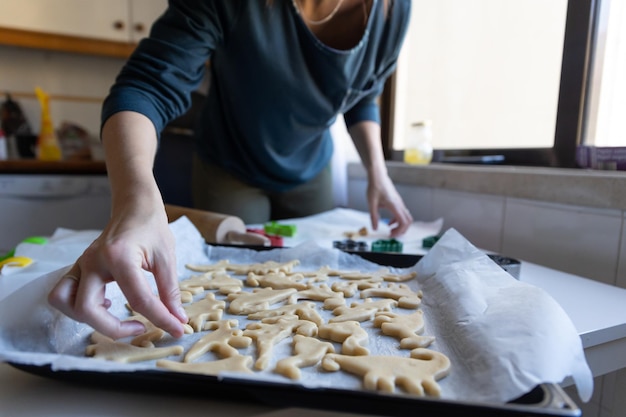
(218, 191)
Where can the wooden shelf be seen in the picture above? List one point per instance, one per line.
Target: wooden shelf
(33, 166)
(63, 43)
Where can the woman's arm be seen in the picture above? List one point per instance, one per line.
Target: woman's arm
(136, 239)
(381, 193)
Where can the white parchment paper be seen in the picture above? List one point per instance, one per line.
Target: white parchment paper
(503, 336)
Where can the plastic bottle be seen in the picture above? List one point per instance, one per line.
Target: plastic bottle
(419, 148)
(48, 148)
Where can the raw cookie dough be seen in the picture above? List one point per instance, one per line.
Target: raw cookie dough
(308, 351)
(350, 333)
(235, 363)
(207, 309)
(362, 311)
(225, 337)
(263, 268)
(276, 280)
(258, 300)
(104, 347)
(212, 280)
(401, 292)
(406, 327)
(383, 274)
(416, 375)
(304, 311)
(272, 330)
(332, 299)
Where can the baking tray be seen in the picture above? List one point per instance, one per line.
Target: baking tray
(543, 400)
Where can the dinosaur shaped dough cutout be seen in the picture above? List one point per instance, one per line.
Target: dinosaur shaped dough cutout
(212, 280)
(406, 327)
(104, 347)
(263, 268)
(152, 333)
(225, 337)
(350, 333)
(362, 311)
(417, 374)
(217, 266)
(272, 330)
(258, 300)
(332, 299)
(231, 361)
(304, 311)
(276, 280)
(308, 351)
(207, 309)
(406, 297)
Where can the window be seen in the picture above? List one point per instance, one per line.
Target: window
(606, 107)
(502, 81)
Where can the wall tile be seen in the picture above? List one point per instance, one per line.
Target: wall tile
(577, 240)
(478, 217)
(621, 268)
(419, 201)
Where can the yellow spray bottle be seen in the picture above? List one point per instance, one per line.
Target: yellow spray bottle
(48, 148)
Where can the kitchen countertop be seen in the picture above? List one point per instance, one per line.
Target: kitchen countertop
(595, 309)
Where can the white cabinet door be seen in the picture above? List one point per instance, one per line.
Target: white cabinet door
(142, 14)
(114, 20)
(102, 19)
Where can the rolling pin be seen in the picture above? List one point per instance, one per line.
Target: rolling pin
(217, 227)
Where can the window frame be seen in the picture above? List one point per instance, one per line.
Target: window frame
(578, 49)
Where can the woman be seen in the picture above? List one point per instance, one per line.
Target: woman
(282, 72)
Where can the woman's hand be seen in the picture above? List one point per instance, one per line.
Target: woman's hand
(131, 244)
(382, 194)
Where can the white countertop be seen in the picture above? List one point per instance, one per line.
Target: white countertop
(596, 310)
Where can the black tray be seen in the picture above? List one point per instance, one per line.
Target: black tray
(543, 400)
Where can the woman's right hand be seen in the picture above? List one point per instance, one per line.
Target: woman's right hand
(137, 241)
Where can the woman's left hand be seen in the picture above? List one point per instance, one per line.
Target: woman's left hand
(382, 194)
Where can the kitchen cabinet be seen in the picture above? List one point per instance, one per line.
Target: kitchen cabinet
(60, 24)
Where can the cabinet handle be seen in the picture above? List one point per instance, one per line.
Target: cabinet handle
(140, 27)
(119, 25)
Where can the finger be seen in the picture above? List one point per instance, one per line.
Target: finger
(68, 296)
(168, 287)
(402, 222)
(144, 301)
(400, 229)
(63, 294)
(91, 307)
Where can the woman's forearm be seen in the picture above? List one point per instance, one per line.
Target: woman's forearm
(130, 142)
(366, 138)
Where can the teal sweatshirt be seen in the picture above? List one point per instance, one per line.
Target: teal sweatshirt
(275, 88)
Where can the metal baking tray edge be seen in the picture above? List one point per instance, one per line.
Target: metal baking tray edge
(545, 400)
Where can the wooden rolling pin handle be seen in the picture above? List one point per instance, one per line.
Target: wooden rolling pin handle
(255, 239)
(214, 227)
